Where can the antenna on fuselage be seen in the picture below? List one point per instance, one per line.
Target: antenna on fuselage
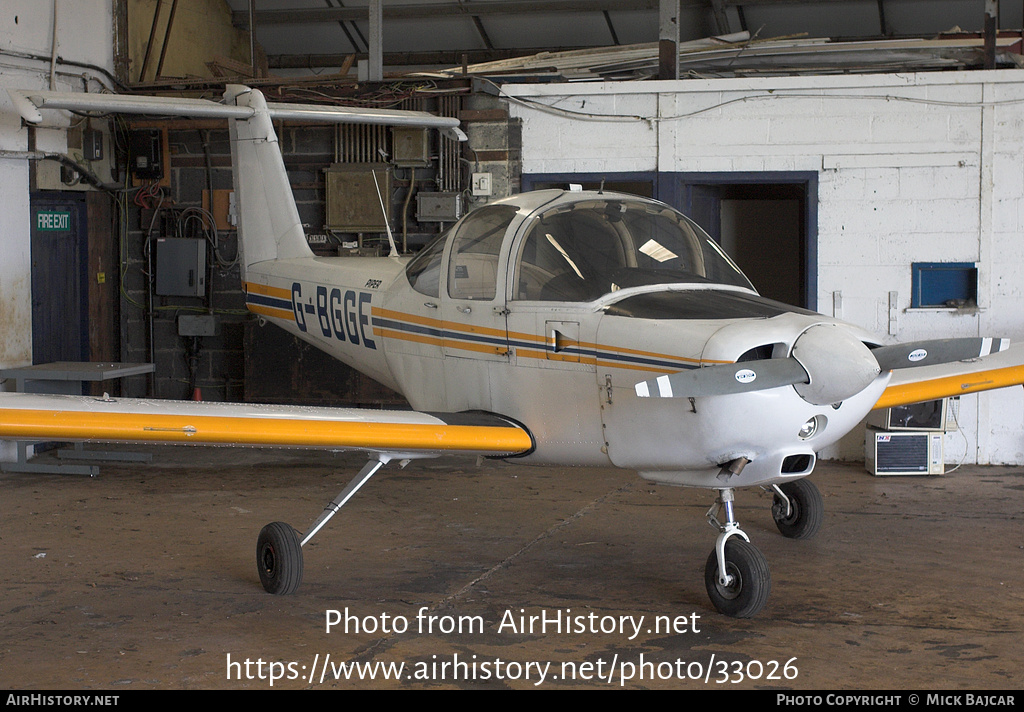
(391, 238)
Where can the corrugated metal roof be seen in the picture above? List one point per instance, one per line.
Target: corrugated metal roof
(320, 33)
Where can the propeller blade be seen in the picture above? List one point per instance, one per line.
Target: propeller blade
(931, 353)
(725, 379)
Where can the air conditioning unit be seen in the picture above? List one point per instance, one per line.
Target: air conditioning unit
(903, 453)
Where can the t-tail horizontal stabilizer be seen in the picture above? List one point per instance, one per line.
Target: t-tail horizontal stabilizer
(29, 101)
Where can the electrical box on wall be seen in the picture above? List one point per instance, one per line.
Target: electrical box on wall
(438, 207)
(82, 145)
(223, 210)
(197, 325)
(145, 148)
(482, 184)
(92, 145)
(352, 202)
(410, 147)
(180, 267)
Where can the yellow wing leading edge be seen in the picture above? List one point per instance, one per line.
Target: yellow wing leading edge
(26, 416)
(915, 385)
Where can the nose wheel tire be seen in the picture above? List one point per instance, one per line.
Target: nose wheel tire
(750, 580)
(806, 510)
(279, 558)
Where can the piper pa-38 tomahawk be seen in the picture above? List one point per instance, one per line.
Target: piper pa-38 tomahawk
(566, 328)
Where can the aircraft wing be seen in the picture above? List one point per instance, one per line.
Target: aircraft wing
(30, 416)
(914, 385)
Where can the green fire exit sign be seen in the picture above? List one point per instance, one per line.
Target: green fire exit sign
(53, 220)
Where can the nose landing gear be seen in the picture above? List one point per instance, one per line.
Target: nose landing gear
(736, 574)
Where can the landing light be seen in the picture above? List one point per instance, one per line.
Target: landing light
(811, 427)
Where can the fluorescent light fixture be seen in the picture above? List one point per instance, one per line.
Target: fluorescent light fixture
(656, 251)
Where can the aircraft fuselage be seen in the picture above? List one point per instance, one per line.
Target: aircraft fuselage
(566, 370)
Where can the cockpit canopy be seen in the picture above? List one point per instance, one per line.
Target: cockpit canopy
(572, 250)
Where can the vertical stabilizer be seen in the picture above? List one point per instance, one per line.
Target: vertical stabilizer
(268, 221)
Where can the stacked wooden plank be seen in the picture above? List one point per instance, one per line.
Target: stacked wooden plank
(741, 55)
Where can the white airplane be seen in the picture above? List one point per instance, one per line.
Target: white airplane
(560, 328)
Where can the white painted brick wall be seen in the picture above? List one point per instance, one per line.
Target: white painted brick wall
(911, 168)
(84, 33)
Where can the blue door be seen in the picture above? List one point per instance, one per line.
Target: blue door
(59, 292)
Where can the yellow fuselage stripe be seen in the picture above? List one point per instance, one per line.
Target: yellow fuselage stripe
(268, 291)
(518, 336)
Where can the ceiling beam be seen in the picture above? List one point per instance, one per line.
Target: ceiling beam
(668, 39)
(375, 62)
(721, 17)
(484, 37)
(434, 10)
(445, 58)
(611, 28)
(498, 7)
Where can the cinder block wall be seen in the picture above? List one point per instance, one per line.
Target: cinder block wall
(911, 168)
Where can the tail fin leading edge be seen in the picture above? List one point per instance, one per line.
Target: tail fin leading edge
(268, 220)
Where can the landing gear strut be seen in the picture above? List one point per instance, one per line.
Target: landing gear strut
(736, 575)
(279, 549)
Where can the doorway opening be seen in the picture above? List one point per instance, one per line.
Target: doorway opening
(767, 223)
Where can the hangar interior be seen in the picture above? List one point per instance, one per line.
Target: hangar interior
(835, 149)
(842, 151)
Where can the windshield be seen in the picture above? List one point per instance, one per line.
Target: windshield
(582, 251)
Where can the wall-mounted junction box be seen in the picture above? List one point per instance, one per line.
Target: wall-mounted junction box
(352, 202)
(180, 267)
(438, 207)
(410, 147)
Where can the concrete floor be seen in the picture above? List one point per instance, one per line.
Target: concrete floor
(145, 577)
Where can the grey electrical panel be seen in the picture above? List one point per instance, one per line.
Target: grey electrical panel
(438, 207)
(180, 267)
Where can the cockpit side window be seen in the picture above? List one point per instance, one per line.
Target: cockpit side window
(473, 266)
(424, 271)
(565, 255)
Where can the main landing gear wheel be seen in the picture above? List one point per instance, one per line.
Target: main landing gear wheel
(806, 509)
(279, 549)
(749, 580)
(279, 558)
